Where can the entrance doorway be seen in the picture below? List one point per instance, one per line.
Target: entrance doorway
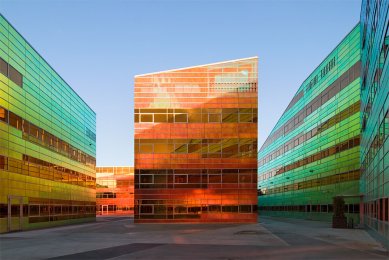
(15, 213)
(104, 209)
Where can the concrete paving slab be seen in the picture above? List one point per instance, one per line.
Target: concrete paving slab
(120, 238)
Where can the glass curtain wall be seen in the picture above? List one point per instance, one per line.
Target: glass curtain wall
(47, 142)
(375, 117)
(312, 154)
(115, 190)
(196, 144)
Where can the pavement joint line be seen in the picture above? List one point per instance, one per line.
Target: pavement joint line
(274, 235)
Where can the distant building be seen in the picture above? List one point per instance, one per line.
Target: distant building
(47, 142)
(375, 117)
(114, 190)
(196, 143)
(312, 154)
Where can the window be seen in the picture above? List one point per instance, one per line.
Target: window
(147, 118)
(15, 76)
(243, 118)
(194, 210)
(160, 118)
(214, 178)
(146, 148)
(214, 118)
(11, 73)
(180, 210)
(230, 208)
(181, 118)
(194, 178)
(192, 148)
(230, 178)
(180, 148)
(3, 210)
(214, 208)
(146, 178)
(245, 178)
(230, 117)
(3, 162)
(106, 195)
(57, 210)
(245, 208)
(195, 118)
(146, 209)
(181, 178)
(3, 115)
(15, 121)
(3, 67)
(160, 178)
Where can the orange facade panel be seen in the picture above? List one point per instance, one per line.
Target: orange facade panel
(196, 144)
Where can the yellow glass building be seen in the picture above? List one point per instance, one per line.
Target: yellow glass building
(47, 142)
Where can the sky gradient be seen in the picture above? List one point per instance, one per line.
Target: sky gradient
(98, 47)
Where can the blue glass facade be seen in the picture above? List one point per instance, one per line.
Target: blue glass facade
(312, 154)
(375, 117)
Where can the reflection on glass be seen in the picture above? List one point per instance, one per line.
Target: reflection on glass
(196, 144)
(115, 190)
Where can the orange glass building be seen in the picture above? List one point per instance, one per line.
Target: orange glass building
(114, 190)
(196, 143)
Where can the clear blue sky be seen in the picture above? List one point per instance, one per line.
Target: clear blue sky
(98, 46)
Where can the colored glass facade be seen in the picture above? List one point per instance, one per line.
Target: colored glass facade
(47, 142)
(196, 144)
(114, 190)
(375, 117)
(312, 154)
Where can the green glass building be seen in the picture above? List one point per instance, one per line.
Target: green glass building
(375, 117)
(47, 142)
(312, 154)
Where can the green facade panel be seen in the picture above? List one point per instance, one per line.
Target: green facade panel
(375, 117)
(47, 142)
(312, 154)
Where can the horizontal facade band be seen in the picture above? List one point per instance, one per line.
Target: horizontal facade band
(37, 168)
(338, 85)
(37, 135)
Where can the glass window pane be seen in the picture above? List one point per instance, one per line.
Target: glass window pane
(15, 76)
(147, 118)
(3, 67)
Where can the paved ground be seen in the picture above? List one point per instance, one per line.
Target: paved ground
(119, 238)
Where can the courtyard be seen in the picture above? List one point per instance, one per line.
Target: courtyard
(120, 238)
